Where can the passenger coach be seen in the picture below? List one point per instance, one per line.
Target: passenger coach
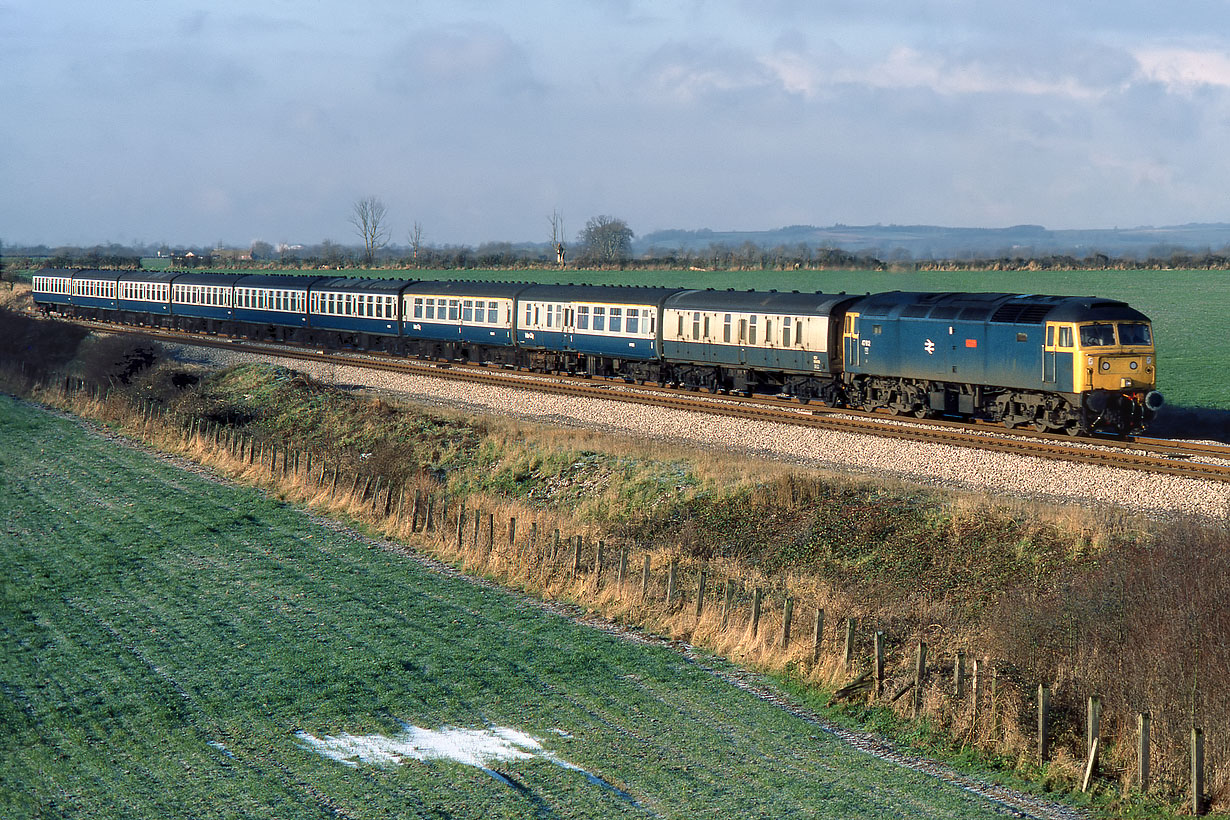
(601, 331)
(748, 341)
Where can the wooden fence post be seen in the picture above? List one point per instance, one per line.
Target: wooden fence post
(958, 675)
(490, 532)
(1197, 771)
(555, 546)
(512, 532)
(879, 662)
(429, 522)
(1093, 719)
(414, 511)
(461, 525)
(817, 635)
(671, 580)
(598, 556)
(576, 556)
(1142, 751)
(478, 522)
(700, 592)
(1090, 765)
(787, 611)
(645, 580)
(920, 677)
(1044, 723)
(848, 656)
(623, 564)
(727, 601)
(755, 611)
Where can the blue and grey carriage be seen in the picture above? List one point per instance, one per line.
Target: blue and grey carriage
(362, 313)
(466, 321)
(52, 290)
(595, 330)
(144, 297)
(203, 302)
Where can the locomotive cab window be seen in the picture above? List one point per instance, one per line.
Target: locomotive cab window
(1022, 337)
(1065, 337)
(876, 330)
(1097, 335)
(1134, 334)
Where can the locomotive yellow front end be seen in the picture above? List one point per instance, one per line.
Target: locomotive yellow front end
(1115, 371)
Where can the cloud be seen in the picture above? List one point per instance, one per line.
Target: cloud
(1182, 70)
(463, 59)
(910, 67)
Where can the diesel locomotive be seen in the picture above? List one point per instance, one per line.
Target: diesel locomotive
(1059, 363)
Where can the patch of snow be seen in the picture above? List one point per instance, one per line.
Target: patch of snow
(472, 747)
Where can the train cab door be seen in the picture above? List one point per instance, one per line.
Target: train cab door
(1049, 355)
(850, 336)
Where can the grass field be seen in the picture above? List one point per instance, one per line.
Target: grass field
(175, 647)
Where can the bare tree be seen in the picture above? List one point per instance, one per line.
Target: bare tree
(416, 239)
(368, 219)
(606, 239)
(557, 236)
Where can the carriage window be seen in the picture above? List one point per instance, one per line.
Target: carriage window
(768, 331)
(550, 316)
(493, 313)
(695, 325)
(726, 329)
(600, 319)
(583, 317)
(528, 314)
(634, 321)
(706, 326)
(467, 310)
(454, 310)
(742, 331)
(680, 325)
(751, 331)
(785, 333)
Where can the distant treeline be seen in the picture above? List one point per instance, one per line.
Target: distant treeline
(506, 255)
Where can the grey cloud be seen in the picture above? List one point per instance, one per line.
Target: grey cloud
(462, 62)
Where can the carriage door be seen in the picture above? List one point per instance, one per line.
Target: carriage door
(569, 327)
(1048, 355)
(851, 338)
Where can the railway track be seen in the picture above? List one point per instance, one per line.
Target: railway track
(1207, 462)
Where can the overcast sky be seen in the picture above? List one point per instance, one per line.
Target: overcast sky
(194, 122)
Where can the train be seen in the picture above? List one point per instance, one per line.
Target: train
(1075, 365)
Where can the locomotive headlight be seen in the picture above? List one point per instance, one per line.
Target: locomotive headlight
(1105, 365)
(1133, 364)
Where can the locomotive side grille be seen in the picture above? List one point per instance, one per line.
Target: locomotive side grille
(1022, 314)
